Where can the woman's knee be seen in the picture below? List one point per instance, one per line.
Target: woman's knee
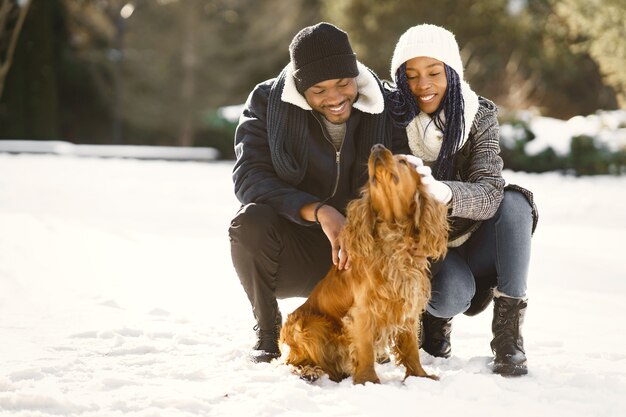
(515, 209)
(252, 224)
(446, 305)
(452, 289)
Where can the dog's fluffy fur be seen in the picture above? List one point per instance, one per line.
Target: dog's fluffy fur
(353, 316)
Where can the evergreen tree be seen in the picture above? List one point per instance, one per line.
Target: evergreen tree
(598, 27)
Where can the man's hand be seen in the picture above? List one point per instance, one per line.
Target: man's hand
(332, 222)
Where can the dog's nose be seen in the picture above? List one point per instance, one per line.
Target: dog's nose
(378, 147)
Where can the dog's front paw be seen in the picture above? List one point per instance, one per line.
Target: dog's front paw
(309, 373)
(364, 377)
(422, 375)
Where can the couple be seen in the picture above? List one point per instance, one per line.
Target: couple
(302, 146)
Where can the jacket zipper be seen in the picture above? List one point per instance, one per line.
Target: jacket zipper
(337, 158)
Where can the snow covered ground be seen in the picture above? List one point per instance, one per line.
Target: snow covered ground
(118, 298)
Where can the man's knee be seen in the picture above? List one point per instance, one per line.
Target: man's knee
(251, 225)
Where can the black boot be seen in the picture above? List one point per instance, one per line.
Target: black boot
(435, 335)
(266, 348)
(507, 344)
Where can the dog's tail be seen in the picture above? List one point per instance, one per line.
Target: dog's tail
(315, 347)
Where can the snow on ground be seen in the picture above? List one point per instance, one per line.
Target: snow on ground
(118, 298)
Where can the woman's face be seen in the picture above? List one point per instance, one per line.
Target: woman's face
(427, 80)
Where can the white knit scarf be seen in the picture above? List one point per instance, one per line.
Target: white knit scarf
(425, 138)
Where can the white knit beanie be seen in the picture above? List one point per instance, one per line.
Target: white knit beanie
(427, 40)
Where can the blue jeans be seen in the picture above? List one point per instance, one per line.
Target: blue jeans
(497, 254)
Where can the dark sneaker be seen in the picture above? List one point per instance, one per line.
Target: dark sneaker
(266, 348)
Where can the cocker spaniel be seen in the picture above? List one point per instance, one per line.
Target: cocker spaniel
(354, 316)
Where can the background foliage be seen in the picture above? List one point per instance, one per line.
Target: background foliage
(156, 71)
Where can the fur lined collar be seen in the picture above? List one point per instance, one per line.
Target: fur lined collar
(370, 100)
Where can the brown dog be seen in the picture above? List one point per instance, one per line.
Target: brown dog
(353, 316)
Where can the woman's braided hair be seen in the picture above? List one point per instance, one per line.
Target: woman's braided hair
(403, 108)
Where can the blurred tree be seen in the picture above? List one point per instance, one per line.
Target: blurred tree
(155, 71)
(29, 104)
(98, 31)
(556, 69)
(12, 16)
(598, 27)
(179, 58)
(212, 55)
(587, 158)
(517, 52)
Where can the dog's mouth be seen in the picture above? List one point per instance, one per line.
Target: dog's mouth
(381, 162)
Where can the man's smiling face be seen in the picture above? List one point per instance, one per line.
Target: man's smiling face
(333, 98)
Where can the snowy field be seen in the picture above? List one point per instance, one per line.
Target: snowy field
(118, 298)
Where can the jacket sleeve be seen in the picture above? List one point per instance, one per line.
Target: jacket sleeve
(399, 140)
(254, 176)
(479, 193)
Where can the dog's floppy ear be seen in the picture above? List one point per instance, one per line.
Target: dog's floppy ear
(359, 230)
(431, 223)
(417, 213)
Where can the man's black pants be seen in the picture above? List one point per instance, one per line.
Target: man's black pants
(276, 258)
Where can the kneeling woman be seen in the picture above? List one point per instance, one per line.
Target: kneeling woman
(455, 133)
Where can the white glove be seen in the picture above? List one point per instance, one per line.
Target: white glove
(414, 160)
(439, 190)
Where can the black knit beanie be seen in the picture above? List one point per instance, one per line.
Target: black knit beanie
(319, 53)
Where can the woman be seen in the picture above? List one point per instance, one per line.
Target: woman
(455, 132)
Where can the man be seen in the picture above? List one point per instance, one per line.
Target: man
(302, 146)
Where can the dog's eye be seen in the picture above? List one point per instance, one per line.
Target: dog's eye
(402, 161)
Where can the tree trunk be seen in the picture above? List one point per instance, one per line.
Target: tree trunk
(188, 81)
(118, 78)
(30, 100)
(6, 9)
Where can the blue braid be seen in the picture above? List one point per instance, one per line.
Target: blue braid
(453, 129)
(401, 103)
(403, 108)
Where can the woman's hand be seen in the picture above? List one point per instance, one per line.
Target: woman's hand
(439, 190)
